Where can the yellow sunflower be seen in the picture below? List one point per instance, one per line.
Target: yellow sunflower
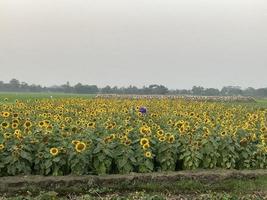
(2, 146)
(144, 141)
(145, 146)
(5, 114)
(5, 125)
(91, 125)
(80, 146)
(7, 135)
(54, 151)
(27, 124)
(74, 142)
(148, 154)
(162, 138)
(171, 139)
(14, 125)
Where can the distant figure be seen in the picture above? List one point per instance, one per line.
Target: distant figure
(143, 110)
(51, 97)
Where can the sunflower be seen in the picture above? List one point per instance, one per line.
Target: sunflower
(160, 133)
(74, 142)
(223, 134)
(112, 136)
(5, 125)
(15, 121)
(54, 151)
(162, 138)
(7, 135)
(14, 125)
(49, 128)
(18, 135)
(182, 129)
(2, 146)
(128, 142)
(41, 124)
(91, 125)
(144, 141)
(6, 114)
(253, 137)
(145, 130)
(171, 139)
(46, 122)
(145, 146)
(170, 122)
(206, 130)
(109, 126)
(15, 115)
(80, 146)
(27, 124)
(263, 129)
(17, 131)
(148, 154)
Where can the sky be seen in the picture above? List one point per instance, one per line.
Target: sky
(177, 43)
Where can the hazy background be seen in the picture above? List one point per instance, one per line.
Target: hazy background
(178, 43)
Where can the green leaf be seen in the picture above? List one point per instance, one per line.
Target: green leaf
(48, 164)
(245, 154)
(149, 165)
(122, 162)
(97, 149)
(228, 164)
(56, 159)
(26, 155)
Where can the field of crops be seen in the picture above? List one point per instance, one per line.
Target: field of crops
(71, 135)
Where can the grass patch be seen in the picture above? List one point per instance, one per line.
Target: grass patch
(229, 189)
(235, 186)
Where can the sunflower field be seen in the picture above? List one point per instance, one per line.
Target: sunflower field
(106, 136)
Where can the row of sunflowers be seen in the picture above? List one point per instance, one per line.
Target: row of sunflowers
(103, 136)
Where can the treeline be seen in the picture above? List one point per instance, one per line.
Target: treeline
(15, 85)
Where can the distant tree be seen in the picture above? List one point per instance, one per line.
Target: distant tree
(106, 90)
(250, 91)
(211, 92)
(14, 85)
(85, 89)
(261, 92)
(67, 88)
(17, 86)
(197, 90)
(231, 91)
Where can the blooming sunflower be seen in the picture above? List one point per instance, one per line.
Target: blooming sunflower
(5, 114)
(144, 141)
(148, 154)
(162, 138)
(160, 133)
(91, 125)
(15, 115)
(74, 142)
(171, 139)
(145, 146)
(5, 125)
(14, 125)
(80, 146)
(54, 151)
(7, 135)
(2, 146)
(27, 124)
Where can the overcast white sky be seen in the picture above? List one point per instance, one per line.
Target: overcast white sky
(178, 43)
